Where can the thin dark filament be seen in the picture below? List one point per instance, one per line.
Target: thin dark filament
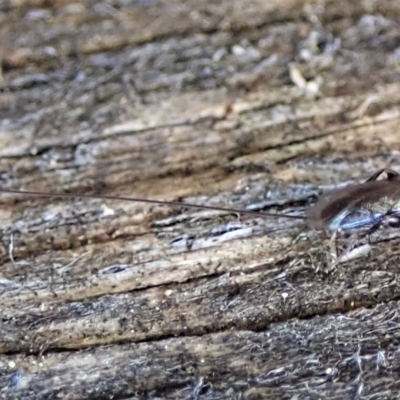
(151, 201)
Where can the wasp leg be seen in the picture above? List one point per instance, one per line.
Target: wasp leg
(333, 249)
(390, 173)
(372, 230)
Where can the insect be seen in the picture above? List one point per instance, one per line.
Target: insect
(366, 206)
(363, 208)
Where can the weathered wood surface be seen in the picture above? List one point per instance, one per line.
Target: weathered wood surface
(193, 101)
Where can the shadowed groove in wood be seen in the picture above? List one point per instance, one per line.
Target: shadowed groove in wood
(270, 360)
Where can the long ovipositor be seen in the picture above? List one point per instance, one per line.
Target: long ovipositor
(369, 204)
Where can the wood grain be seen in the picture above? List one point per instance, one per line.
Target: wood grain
(194, 101)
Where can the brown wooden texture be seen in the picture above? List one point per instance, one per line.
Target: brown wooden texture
(260, 104)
